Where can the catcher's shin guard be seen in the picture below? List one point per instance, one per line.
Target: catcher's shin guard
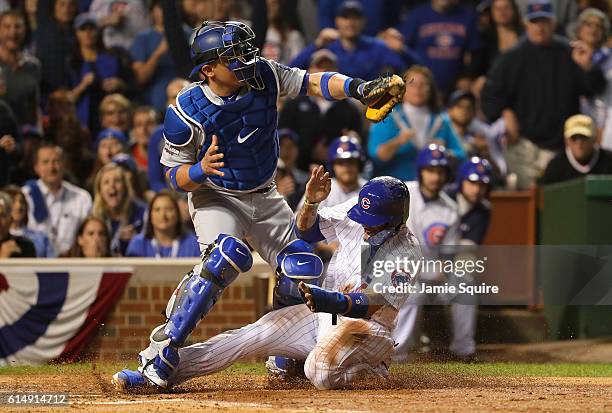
(191, 301)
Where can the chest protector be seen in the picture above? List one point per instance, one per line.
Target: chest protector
(246, 132)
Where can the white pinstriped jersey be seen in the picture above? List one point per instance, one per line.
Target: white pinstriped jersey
(434, 222)
(345, 272)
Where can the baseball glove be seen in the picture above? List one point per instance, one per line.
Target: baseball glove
(381, 95)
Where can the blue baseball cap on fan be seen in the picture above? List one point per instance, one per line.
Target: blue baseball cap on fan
(539, 9)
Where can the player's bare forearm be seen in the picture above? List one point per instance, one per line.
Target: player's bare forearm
(306, 216)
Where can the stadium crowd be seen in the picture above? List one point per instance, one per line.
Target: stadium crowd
(84, 85)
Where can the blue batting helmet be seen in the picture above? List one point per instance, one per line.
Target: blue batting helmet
(382, 201)
(475, 169)
(432, 155)
(344, 147)
(231, 40)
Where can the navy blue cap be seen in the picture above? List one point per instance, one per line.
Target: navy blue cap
(350, 8)
(111, 133)
(538, 9)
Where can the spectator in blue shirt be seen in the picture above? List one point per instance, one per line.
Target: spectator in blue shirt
(442, 33)
(395, 142)
(93, 72)
(19, 224)
(164, 235)
(153, 64)
(115, 204)
(381, 14)
(358, 55)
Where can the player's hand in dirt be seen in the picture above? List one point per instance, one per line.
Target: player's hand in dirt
(211, 163)
(318, 186)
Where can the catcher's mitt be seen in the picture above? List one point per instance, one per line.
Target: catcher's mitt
(381, 95)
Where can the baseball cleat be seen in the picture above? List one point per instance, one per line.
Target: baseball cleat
(129, 381)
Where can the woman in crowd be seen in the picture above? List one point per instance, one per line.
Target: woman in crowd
(115, 112)
(504, 31)
(115, 205)
(164, 235)
(93, 72)
(92, 240)
(282, 42)
(593, 28)
(395, 142)
(19, 224)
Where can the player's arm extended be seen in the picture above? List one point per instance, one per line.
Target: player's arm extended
(189, 177)
(317, 190)
(379, 95)
(334, 86)
(354, 305)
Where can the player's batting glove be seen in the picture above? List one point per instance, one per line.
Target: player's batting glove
(320, 300)
(379, 95)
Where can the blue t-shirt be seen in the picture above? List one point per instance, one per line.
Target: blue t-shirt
(154, 92)
(369, 58)
(441, 40)
(380, 14)
(403, 164)
(105, 67)
(136, 220)
(140, 246)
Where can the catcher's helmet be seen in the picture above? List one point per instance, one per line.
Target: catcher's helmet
(382, 201)
(432, 155)
(475, 169)
(344, 147)
(231, 40)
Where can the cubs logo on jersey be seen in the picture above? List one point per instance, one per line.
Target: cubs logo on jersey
(434, 233)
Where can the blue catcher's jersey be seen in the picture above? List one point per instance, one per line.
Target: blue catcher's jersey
(245, 128)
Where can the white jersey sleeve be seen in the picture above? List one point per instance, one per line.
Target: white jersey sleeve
(290, 79)
(331, 218)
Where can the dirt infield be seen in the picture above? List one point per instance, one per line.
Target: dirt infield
(418, 388)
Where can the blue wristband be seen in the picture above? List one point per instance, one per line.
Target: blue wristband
(196, 173)
(347, 90)
(358, 307)
(172, 176)
(305, 82)
(325, 85)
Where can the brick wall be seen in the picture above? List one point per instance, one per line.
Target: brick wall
(126, 330)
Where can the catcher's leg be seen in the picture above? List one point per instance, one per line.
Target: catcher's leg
(290, 332)
(190, 302)
(353, 348)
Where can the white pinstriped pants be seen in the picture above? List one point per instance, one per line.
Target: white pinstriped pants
(351, 348)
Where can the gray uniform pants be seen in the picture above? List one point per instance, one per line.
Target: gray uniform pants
(263, 219)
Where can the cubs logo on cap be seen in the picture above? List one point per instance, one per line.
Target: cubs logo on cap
(365, 203)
